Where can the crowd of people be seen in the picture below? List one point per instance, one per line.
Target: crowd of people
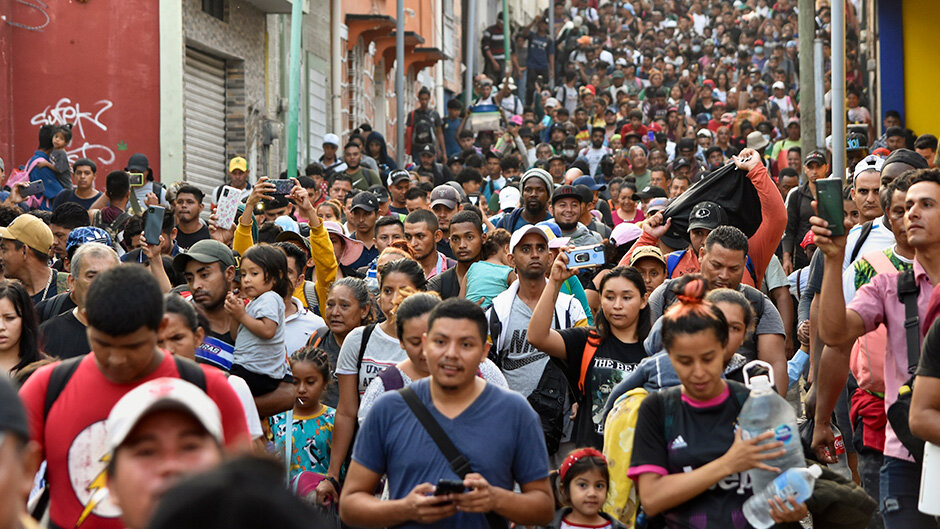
(543, 318)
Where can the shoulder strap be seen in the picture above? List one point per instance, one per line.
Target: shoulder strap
(672, 261)
(907, 292)
(310, 293)
(749, 264)
(880, 262)
(190, 372)
(496, 328)
(366, 334)
(593, 342)
(866, 231)
(60, 376)
(457, 461)
(317, 336)
(392, 379)
(671, 398)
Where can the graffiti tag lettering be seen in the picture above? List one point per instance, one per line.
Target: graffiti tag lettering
(65, 111)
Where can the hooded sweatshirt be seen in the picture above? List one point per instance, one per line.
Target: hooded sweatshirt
(384, 162)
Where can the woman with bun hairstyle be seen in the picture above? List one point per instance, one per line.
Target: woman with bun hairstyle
(689, 460)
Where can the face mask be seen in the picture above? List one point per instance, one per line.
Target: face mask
(569, 153)
(767, 137)
(696, 49)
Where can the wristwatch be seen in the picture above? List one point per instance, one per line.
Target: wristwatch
(333, 481)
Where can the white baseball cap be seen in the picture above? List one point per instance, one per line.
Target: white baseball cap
(869, 163)
(780, 85)
(509, 198)
(522, 232)
(161, 394)
(551, 103)
(331, 139)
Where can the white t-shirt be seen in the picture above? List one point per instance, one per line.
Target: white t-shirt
(879, 239)
(299, 326)
(381, 352)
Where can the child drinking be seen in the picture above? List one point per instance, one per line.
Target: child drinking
(258, 328)
(487, 278)
(312, 426)
(582, 483)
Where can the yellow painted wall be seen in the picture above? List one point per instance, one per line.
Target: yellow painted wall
(921, 75)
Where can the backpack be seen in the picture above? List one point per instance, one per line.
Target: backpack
(619, 429)
(899, 412)
(115, 228)
(422, 128)
(673, 258)
(548, 397)
(622, 500)
(62, 373)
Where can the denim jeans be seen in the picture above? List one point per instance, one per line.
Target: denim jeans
(900, 485)
(869, 469)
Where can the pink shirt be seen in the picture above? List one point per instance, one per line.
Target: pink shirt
(876, 303)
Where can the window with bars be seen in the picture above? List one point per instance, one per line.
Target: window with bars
(215, 8)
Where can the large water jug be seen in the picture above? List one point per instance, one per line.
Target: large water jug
(765, 410)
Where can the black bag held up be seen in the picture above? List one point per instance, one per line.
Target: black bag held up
(730, 188)
(899, 412)
(458, 462)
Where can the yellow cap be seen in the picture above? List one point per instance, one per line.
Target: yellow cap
(238, 163)
(31, 231)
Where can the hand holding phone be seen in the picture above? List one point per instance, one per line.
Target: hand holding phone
(282, 186)
(227, 207)
(829, 204)
(35, 187)
(585, 257)
(153, 225)
(449, 486)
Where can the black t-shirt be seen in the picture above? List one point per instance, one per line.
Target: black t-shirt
(930, 353)
(700, 433)
(611, 361)
(185, 240)
(65, 337)
(54, 306)
(68, 195)
(443, 246)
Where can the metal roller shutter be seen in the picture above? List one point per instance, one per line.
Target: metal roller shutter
(316, 106)
(204, 120)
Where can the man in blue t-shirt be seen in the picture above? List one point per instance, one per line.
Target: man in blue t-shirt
(541, 57)
(451, 127)
(393, 442)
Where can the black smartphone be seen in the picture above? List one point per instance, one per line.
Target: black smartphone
(35, 187)
(154, 224)
(449, 486)
(829, 204)
(282, 186)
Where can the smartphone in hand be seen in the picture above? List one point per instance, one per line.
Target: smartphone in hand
(829, 204)
(153, 226)
(35, 187)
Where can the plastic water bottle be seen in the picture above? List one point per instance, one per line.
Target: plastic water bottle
(797, 482)
(765, 410)
(841, 466)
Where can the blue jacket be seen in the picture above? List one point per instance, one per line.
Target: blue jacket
(51, 184)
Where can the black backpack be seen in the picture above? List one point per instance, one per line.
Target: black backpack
(422, 128)
(548, 398)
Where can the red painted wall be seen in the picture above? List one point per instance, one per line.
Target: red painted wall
(92, 63)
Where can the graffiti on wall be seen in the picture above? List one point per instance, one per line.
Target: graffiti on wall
(87, 125)
(34, 5)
